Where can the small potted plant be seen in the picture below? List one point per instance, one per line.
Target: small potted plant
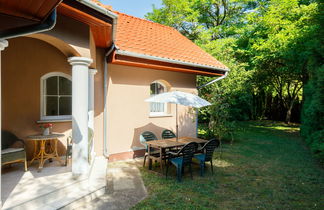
(46, 128)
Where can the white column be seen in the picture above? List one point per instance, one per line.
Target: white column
(80, 74)
(92, 73)
(3, 45)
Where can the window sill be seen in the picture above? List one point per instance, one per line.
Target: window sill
(54, 121)
(160, 115)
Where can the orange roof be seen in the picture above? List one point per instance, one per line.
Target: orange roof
(139, 36)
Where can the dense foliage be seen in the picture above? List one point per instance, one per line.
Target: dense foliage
(274, 51)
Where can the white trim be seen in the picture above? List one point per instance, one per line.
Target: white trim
(150, 57)
(42, 105)
(160, 115)
(165, 87)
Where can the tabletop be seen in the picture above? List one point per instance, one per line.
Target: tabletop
(168, 143)
(45, 137)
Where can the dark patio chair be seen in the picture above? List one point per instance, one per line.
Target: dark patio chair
(145, 137)
(10, 152)
(181, 159)
(206, 154)
(168, 134)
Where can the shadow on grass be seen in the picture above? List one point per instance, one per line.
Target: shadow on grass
(265, 168)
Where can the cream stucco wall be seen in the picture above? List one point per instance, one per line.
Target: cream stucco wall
(27, 59)
(24, 63)
(128, 113)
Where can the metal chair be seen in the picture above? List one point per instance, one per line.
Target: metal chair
(182, 158)
(206, 155)
(168, 134)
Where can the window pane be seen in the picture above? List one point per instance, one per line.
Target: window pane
(51, 86)
(65, 86)
(153, 89)
(51, 105)
(66, 105)
(157, 107)
(160, 88)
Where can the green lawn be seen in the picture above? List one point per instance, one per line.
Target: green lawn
(267, 167)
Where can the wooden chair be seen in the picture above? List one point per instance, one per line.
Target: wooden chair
(69, 143)
(206, 155)
(168, 134)
(145, 137)
(182, 158)
(10, 154)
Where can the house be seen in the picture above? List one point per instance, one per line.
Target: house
(94, 69)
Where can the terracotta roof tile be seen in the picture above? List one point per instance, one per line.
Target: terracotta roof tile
(141, 36)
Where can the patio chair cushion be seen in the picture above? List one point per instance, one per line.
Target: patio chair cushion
(11, 150)
(10, 154)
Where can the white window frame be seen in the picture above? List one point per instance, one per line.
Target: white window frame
(165, 111)
(43, 117)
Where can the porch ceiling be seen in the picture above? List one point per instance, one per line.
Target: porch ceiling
(100, 25)
(22, 13)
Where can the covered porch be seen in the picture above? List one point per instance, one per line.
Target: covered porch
(29, 66)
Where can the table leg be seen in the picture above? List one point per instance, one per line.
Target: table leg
(149, 157)
(42, 152)
(35, 153)
(161, 152)
(57, 157)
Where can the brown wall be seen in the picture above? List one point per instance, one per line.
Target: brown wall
(26, 60)
(128, 113)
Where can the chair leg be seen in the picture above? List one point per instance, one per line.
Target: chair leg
(190, 171)
(211, 165)
(25, 164)
(179, 173)
(202, 168)
(167, 170)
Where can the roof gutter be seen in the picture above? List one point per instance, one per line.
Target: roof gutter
(155, 58)
(103, 11)
(46, 25)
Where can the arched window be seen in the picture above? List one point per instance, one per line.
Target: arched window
(56, 96)
(157, 87)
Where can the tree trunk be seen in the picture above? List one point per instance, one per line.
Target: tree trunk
(288, 115)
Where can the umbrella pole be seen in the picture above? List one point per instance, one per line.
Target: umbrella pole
(177, 127)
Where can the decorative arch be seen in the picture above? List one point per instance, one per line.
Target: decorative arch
(164, 83)
(65, 48)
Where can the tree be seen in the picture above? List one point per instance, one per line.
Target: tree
(277, 44)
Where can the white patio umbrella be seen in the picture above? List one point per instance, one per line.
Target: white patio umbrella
(178, 97)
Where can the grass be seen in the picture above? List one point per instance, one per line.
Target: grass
(267, 167)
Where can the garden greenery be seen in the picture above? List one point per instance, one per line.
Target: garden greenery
(274, 49)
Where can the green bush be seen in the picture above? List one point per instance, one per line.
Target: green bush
(312, 128)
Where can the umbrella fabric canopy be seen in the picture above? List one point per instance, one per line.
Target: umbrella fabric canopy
(178, 97)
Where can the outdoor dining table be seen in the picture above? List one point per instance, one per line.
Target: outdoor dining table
(164, 144)
(40, 152)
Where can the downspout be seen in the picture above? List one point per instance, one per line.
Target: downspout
(105, 151)
(46, 25)
(204, 85)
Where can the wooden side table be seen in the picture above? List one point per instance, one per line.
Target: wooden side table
(42, 155)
